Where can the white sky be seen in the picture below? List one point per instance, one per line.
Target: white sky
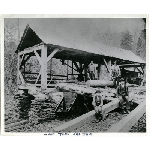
(104, 30)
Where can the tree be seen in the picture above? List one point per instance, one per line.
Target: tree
(141, 45)
(127, 41)
(10, 57)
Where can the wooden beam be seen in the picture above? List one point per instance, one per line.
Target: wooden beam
(67, 69)
(130, 120)
(99, 65)
(88, 117)
(81, 68)
(38, 77)
(44, 67)
(139, 70)
(18, 67)
(52, 54)
(21, 77)
(31, 49)
(70, 66)
(109, 66)
(106, 64)
(38, 57)
(76, 65)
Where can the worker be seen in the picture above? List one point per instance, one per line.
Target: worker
(123, 95)
(97, 104)
(25, 103)
(115, 73)
(92, 70)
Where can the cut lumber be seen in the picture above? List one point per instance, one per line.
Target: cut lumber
(97, 83)
(88, 117)
(130, 120)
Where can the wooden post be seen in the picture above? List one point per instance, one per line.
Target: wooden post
(85, 71)
(72, 67)
(44, 67)
(80, 69)
(67, 69)
(109, 67)
(18, 70)
(50, 68)
(99, 64)
(24, 68)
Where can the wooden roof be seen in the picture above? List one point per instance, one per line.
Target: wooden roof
(79, 49)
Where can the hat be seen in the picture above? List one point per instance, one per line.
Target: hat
(97, 91)
(121, 79)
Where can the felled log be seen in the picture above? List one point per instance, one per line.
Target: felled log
(99, 83)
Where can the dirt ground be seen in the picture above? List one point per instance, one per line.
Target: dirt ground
(11, 115)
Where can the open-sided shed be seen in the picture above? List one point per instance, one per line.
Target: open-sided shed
(79, 52)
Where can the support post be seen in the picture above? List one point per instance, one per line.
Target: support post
(109, 67)
(85, 71)
(44, 67)
(72, 66)
(50, 68)
(106, 65)
(99, 65)
(18, 66)
(67, 69)
(24, 69)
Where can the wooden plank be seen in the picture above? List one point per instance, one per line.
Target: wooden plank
(31, 49)
(109, 67)
(67, 68)
(21, 77)
(72, 67)
(130, 120)
(38, 57)
(52, 54)
(99, 64)
(76, 65)
(44, 67)
(106, 65)
(139, 70)
(38, 77)
(90, 116)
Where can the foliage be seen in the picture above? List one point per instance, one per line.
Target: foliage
(126, 41)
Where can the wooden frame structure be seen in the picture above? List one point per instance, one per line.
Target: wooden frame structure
(80, 58)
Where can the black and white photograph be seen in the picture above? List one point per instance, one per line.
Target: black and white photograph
(75, 75)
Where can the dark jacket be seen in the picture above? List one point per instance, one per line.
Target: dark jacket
(122, 91)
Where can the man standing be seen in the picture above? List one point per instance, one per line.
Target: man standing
(115, 74)
(92, 70)
(123, 95)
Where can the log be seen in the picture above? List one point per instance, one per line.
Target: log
(98, 83)
(88, 117)
(130, 120)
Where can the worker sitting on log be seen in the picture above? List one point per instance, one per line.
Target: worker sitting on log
(115, 74)
(123, 95)
(98, 103)
(92, 70)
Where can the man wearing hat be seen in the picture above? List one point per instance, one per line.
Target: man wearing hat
(92, 70)
(123, 95)
(98, 103)
(115, 73)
